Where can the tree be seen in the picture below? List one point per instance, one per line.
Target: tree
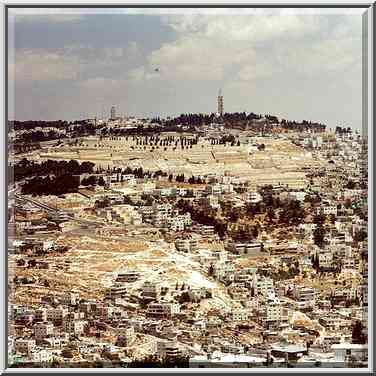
(21, 262)
(358, 336)
(91, 180)
(360, 236)
(101, 182)
(270, 214)
(316, 262)
(350, 184)
(233, 216)
(32, 263)
(319, 219)
(318, 236)
(348, 204)
(67, 353)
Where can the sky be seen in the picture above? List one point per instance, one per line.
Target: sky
(293, 63)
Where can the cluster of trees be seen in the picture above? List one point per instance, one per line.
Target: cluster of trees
(30, 124)
(138, 172)
(238, 119)
(315, 262)
(206, 119)
(101, 204)
(357, 333)
(360, 236)
(225, 139)
(195, 180)
(203, 217)
(245, 233)
(92, 181)
(21, 147)
(287, 273)
(305, 125)
(340, 130)
(83, 128)
(320, 231)
(139, 131)
(180, 178)
(26, 168)
(166, 141)
(351, 185)
(292, 213)
(55, 185)
(38, 136)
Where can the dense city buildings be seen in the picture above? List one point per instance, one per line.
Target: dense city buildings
(187, 242)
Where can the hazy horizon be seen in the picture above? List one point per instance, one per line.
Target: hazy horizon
(295, 64)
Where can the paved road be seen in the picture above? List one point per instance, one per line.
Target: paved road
(57, 211)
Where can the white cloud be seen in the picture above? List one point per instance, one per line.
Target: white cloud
(241, 27)
(73, 62)
(264, 59)
(33, 65)
(242, 47)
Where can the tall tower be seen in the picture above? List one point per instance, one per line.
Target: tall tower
(113, 113)
(220, 102)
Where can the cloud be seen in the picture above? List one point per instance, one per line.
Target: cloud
(241, 27)
(209, 47)
(265, 60)
(47, 14)
(73, 62)
(31, 65)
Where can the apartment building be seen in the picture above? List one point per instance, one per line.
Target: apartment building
(77, 327)
(43, 330)
(40, 315)
(161, 214)
(39, 356)
(162, 310)
(70, 298)
(264, 286)
(252, 197)
(179, 222)
(57, 314)
(150, 290)
(326, 259)
(240, 315)
(25, 346)
(127, 276)
(305, 297)
(186, 245)
(245, 249)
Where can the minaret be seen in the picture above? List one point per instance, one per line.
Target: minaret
(220, 102)
(113, 113)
